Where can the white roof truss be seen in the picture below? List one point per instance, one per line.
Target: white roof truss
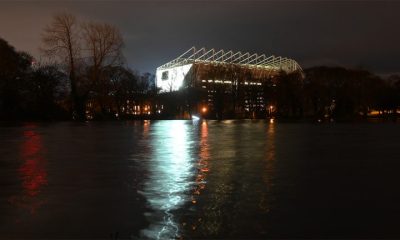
(229, 57)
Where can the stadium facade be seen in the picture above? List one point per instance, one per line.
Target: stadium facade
(227, 81)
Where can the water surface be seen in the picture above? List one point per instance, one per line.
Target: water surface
(199, 179)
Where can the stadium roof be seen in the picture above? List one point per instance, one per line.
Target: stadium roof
(249, 60)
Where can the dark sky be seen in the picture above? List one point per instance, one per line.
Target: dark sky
(347, 33)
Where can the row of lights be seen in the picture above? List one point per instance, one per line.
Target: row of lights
(229, 82)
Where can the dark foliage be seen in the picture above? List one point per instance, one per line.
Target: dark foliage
(345, 93)
(31, 91)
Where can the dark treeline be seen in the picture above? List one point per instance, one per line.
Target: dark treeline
(30, 90)
(84, 76)
(347, 93)
(333, 93)
(26, 92)
(34, 91)
(336, 93)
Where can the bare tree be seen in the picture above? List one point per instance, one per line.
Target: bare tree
(103, 44)
(103, 48)
(61, 41)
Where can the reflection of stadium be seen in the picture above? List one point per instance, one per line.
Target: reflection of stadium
(225, 81)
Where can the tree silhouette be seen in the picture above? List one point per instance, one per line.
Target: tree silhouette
(61, 41)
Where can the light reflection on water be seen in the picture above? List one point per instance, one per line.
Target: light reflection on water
(32, 172)
(206, 180)
(234, 180)
(170, 177)
(203, 162)
(270, 155)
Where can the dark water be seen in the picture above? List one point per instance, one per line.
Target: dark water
(172, 179)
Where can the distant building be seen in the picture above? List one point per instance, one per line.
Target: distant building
(227, 81)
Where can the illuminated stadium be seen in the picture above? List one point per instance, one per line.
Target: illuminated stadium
(239, 77)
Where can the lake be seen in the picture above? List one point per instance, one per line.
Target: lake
(199, 179)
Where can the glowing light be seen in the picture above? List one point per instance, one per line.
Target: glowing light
(204, 109)
(374, 113)
(271, 120)
(175, 79)
(194, 117)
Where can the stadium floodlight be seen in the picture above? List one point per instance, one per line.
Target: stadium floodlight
(172, 75)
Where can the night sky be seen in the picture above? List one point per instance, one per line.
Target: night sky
(362, 34)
